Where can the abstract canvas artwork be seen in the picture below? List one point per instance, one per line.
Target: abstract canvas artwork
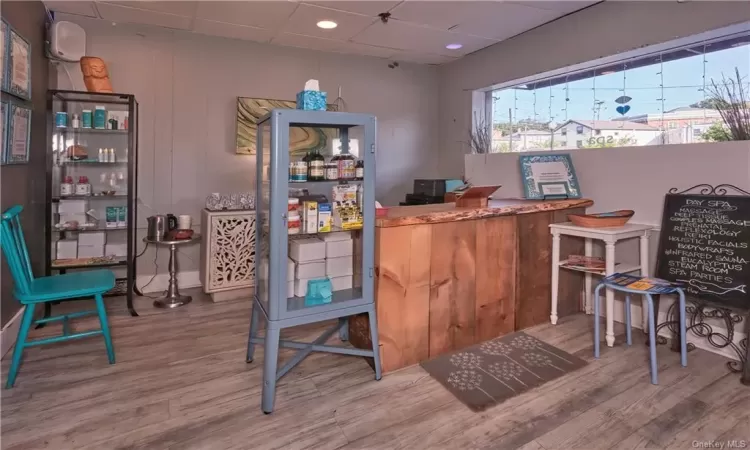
(301, 140)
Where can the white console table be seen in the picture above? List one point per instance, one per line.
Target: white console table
(610, 236)
(228, 254)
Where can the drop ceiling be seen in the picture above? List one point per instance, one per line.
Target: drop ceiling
(416, 31)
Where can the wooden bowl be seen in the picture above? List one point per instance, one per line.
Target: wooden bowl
(601, 220)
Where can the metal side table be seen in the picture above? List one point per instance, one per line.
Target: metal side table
(173, 299)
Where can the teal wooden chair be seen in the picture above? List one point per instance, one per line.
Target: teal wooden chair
(32, 291)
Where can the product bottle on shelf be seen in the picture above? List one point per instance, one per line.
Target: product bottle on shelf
(359, 170)
(346, 164)
(66, 187)
(316, 167)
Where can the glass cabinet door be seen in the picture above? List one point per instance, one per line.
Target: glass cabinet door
(263, 208)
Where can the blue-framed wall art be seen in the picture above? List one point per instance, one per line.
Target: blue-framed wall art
(547, 177)
(18, 135)
(19, 65)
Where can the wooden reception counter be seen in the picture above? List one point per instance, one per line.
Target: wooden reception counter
(449, 277)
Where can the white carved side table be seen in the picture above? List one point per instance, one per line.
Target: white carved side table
(610, 236)
(228, 254)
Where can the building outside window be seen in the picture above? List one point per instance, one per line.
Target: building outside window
(653, 99)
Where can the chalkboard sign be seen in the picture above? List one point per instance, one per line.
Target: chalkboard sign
(704, 244)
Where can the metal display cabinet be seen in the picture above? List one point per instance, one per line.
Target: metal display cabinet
(271, 302)
(73, 151)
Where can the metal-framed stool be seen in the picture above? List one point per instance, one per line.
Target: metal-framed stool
(611, 284)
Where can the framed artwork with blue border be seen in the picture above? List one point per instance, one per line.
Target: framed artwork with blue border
(19, 62)
(19, 135)
(4, 57)
(4, 125)
(546, 177)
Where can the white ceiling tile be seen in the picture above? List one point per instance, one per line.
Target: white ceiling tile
(264, 14)
(116, 13)
(422, 58)
(72, 7)
(440, 14)
(565, 6)
(180, 8)
(504, 20)
(366, 7)
(406, 36)
(228, 30)
(305, 18)
(331, 45)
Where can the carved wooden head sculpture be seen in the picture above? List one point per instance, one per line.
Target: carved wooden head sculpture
(95, 75)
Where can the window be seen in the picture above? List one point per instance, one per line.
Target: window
(697, 132)
(652, 96)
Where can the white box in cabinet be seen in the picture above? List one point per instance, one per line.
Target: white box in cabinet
(67, 249)
(303, 250)
(337, 249)
(312, 269)
(95, 238)
(228, 251)
(339, 267)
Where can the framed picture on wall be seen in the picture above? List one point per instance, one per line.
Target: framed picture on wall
(19, 135)
(549, 177)
(19, 70)
(4, 125)
(4, 48)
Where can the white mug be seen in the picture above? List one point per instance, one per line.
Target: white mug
(184, 222)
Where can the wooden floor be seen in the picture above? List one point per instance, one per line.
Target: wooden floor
(181, 382)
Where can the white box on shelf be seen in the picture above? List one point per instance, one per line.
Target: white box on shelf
(290, 289)
(95, 238)
(70, 217)
(337, 249)
(289, 270)
(90, 251)
(67, 249)
(337, 236)
(339, 267)
(73, 206)
(116, 250)
(341, 283)
(303, 250)
(312, 269)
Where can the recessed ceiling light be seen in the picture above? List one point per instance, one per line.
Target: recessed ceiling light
(453, 46)
(327, 24)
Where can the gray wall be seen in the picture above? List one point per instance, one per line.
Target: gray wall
(25, 184)
(187, 86)
(604, 29)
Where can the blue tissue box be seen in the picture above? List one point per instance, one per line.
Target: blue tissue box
(319, 292)
(311, 100)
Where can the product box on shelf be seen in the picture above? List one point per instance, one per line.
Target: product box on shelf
(344, 193)
(111, 215)
(341, 283)
(95, 238)
(309, 217)
(304, 250)
(73, 206)
(122, 216)
(337, 236)
(325, 219)
(337, 249)
(312, 269)
(116, 250)
(339, 267)
(67, 249)
(301, 285)
(73, 217)
(90, 251)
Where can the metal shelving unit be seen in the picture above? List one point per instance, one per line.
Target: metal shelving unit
(271, 302)
(119, 176)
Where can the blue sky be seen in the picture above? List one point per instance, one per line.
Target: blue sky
(682, 80)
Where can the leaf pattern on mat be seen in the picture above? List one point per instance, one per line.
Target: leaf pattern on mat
(466, 360)
(495, 348)
(465, 380)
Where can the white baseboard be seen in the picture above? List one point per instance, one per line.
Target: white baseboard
(9, 333)
(161, 281)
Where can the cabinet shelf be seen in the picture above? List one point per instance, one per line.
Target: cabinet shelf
(88, 197)
(92, 131)
(95, 163)
(85, 263)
